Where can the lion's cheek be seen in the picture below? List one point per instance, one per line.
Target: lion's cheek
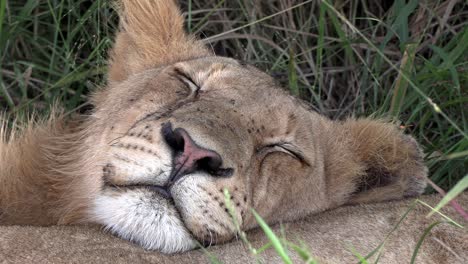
(203, 209)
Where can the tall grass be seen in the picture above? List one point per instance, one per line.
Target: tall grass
(52, 51)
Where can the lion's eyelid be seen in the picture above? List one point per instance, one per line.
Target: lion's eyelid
(187, 80)
(293, 150)
(284, 147)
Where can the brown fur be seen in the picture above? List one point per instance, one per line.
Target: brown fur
(38, 168)
(143, 45)
(53, 172)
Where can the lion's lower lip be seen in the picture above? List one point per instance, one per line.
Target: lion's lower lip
(163, 191)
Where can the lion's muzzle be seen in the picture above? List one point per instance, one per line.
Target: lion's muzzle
(189, 157)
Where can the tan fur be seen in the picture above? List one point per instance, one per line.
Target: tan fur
(39, 167)
(288, 161)
(149, 30)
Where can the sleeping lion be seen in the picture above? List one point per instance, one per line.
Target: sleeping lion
(175, 127)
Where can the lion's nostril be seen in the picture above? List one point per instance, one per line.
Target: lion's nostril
(189, 157)
(210, 163)
(172, 137)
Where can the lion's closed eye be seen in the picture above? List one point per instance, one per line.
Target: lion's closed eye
(282, 147)
(188, 82)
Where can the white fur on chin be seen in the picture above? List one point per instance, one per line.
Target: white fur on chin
(144, 218)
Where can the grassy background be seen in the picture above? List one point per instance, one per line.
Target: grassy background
(407, 60)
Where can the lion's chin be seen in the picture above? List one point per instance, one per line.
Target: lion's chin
(143, 217)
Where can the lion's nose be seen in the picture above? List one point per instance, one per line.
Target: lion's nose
(189, 157)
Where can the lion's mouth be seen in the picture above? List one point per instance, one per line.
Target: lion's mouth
(161, 190)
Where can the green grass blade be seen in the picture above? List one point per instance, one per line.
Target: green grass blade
(361, 258)
(189, 17)
(403, 217)
(448, 63)
(232, 213)
(461, 47)
(456, 155)
(263, 248)
(212, 258)
(421, 240)
(303, 253)
(401, 84)
(448, 219)
(275, 241)
(2, 14)
(199, 25)
(256, 21)
(5, 94)
(292, 74)
(456, 190)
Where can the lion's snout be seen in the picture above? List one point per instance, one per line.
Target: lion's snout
(188, 156)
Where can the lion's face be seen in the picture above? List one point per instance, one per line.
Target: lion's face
(176, 126)
(180, 134)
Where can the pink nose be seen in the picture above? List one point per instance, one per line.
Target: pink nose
(189, 157)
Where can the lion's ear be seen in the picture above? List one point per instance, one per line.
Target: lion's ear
(373, 161)
(393, 162)
(151, 34)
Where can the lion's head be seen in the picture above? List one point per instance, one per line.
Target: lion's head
(185, 131)
(177, 125)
